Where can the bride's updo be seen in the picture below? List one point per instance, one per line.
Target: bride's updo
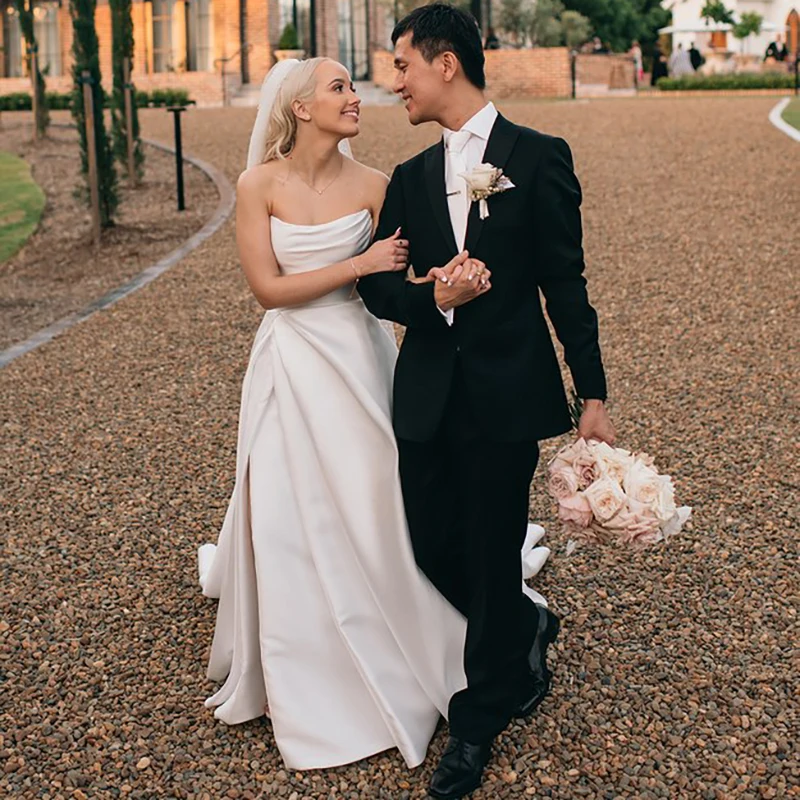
(300, 84)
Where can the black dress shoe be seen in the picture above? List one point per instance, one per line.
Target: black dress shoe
(540, 676)
(460, 769)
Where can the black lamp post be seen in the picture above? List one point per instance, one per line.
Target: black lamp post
(176, 111)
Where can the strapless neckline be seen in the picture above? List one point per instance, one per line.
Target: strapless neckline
(322, 224)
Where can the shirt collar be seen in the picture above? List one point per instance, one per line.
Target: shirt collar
(479, 124)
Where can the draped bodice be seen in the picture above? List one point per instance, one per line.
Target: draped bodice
(302, 248)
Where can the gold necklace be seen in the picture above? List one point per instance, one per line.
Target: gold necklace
(320, 192)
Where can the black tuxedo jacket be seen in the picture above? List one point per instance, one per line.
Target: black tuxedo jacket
(531, 241)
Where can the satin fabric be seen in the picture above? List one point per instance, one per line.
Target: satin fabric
(323, 612)
(322, 607)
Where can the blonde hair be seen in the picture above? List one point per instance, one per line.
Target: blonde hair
(299, 84)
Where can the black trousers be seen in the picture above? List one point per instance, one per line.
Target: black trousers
(466, 500)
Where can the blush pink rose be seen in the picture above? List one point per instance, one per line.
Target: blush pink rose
(636, 525)
(575, 509)
(566, 456)
(563, 483)
(605, 498)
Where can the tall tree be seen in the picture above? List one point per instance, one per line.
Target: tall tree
(25, 12)
(85, 57)
(619, 22)
(577, 29)
(122, 48)
(546, 29)
(515, 18)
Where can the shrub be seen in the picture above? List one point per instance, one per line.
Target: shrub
(86, 58)
(59, 101)
(122, 48)
(760, 80)
(169, 97)
(62, 101)
(289, 40)
(18, 101)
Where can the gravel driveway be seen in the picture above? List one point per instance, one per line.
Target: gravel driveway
(676, 670)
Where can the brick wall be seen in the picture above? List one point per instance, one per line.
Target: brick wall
(204, 87)
(327, 29)
(258, 35)
(532, 72)
(614, 71)
(383, 68)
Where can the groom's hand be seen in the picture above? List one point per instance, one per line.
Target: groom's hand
(595, 423)
(462, 279)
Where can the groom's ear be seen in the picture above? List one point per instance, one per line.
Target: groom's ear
(450, 64)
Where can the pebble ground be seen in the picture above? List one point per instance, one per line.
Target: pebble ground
(57, 271)
(676, 670)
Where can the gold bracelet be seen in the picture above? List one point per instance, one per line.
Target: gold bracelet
(358, 277)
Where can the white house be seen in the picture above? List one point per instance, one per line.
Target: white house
(781, 19)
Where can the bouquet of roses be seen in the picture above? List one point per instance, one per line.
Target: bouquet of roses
(606, 494)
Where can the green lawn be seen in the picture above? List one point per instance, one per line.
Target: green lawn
(21, 204)
(792, 113)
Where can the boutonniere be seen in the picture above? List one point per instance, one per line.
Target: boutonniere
(482, 182)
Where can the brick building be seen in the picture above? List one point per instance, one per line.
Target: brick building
(188, 43)
(216, 49)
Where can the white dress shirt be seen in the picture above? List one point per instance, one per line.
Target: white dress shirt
(465, 158)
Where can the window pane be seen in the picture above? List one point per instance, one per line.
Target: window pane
(162, 36)
(200, 35)
(45, 27)
(12, 40)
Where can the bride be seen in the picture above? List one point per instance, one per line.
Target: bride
(324, 622)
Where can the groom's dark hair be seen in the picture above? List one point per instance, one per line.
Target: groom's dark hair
(437, 28)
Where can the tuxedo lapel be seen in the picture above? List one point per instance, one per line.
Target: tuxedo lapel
(435, 182)
(498, 150)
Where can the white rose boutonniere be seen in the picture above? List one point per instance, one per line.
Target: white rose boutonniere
(482, 182)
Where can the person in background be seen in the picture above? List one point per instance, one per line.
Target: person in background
(636, 54)
(696, 58)
(680, 64)
(659, 66)
(776, 50)
(598, 46)
(492, 42)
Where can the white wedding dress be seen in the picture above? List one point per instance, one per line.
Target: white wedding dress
(323, 612)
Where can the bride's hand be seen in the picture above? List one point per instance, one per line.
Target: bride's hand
(386, 255)
(434, 274)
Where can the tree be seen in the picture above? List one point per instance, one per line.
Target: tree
(515, 18)
(25, 12)
(85, 57)
(545, 28)
(748, 25)
(619, 22)
(716, 11)
(576, 28)
(122, 48)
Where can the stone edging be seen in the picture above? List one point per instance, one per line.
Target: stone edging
(776, 118)
(660, 93)
(227, 198)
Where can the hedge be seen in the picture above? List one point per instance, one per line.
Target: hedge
(158, 98)
(746, 80)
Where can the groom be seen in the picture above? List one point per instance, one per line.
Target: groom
(477, 382)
